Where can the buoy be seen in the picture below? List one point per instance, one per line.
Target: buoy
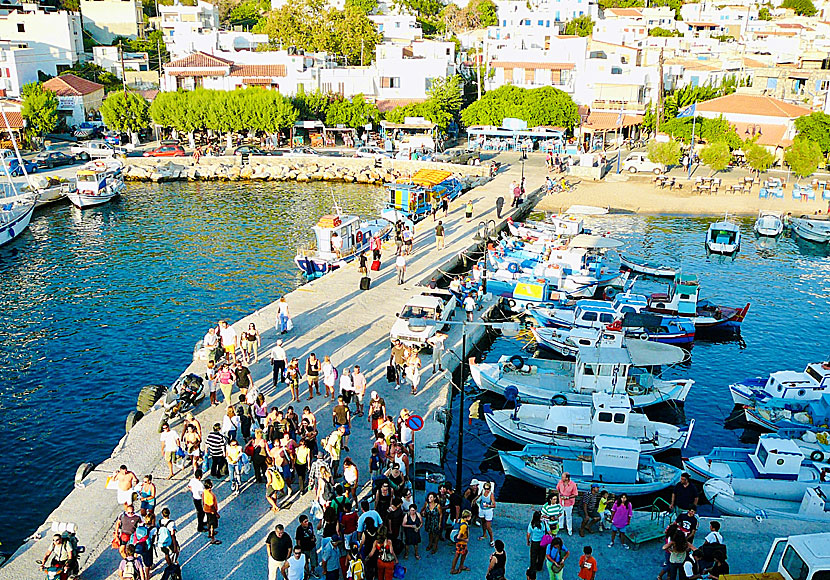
(83, 470)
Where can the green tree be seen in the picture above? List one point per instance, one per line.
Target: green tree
(800, 7)
(758, 157)
(764, 14)
(580, 26)
(657, 31)
(365, 6)
(167, 110)
(126, 113)
(815, 127)
(92, 72)
(664, 152)
(716, 155)
(803, 156)
(354, 112)
(312, 106)
(486, 10)
(40, 109)
(542, 106)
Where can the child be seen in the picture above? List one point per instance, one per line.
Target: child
(587, 564)
(604, 510)
(355, 570)
(211, 380)
(461, 540)
(210, 505)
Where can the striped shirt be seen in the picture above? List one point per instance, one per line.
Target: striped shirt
(216, 444)
(550, 514)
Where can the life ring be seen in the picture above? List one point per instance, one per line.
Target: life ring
(511, 303)
(512, 267)
(511, 392)
(817, 455)
(610, 293)
(559, 400)
(643, 336)
(517, 361)
(359, 237)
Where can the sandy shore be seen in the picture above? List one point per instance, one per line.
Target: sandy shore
(642, 196)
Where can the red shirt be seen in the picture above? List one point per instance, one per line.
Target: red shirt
(587, 567)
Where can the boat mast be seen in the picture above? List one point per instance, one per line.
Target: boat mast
(16, 152)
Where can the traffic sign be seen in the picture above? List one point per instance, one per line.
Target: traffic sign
(415, 422)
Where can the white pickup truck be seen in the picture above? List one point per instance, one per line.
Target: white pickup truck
(802, 557)
(437, 304)
(97, 150)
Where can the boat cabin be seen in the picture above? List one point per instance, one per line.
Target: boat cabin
(601, 369)
(776, 458)
(415, 198)
(566, 225)
(333, 231)
(594, 313)
(815, 502)
(536, 290)
(724, 233)
(609, 414)
(806, 386)
(616, 459)
(681, 297)
(625, 303)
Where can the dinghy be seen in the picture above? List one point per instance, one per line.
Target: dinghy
(723, 237)
(790, 502)
(769, 224)
(647, 268)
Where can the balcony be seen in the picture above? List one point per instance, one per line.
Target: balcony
(615, 106)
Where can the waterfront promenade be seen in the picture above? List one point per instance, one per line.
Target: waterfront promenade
(331, 317)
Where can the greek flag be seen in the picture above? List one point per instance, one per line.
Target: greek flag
(687, 112)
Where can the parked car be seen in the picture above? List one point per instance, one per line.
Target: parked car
(96, 150)
(372, 152)
(166, 151)
(251, 150)
(303, 152)
(50, 159)
(458, 156)
(14, 166)
(639, 162)
(88, 130)
(112, 138)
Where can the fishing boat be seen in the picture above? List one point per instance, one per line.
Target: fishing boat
(98, 182)
(15, 213)
(577, 425)
(723, 237)
(338, 239)
(647, 268)
(774, 463)
(813, 228)
(613, 462)
(792, 502)
(683, 299)
(815, 445)
(770, 224)
(776, 414)
(413, 199)
(48, 189)
(554, 228)
(808, 385)
(603, 369)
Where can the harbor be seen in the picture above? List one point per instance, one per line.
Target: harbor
(333, 316)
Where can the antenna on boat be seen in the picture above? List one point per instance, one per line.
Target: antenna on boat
(336, 208)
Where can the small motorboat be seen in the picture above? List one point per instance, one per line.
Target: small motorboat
(812, 228)
(613, 462)
(15, 215)
(815, 445)
(769, 224)
(647, 268)
(808, 385)
(49, 189)
(723, 237)
(775, 462)
(98, 182)
(790, 502)
(578, 425)
(775, 414)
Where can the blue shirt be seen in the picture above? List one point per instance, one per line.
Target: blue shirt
(556, 554)
(535, 533)
(361, 521)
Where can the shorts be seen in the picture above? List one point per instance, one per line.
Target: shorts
(593, 514)
(125, 496)
(620, 529)
(348, 429)
(211, 386)
(231, 348)
(148, 505)
(486, 514)
(461, 548)
(170, 457)
(359, 397)
(211, 520)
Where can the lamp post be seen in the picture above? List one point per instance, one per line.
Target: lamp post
(507, 328)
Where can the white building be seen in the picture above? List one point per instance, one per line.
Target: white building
(406, 72)
(19, 66)
(535, 67)
(106, 19)
(54, 35)
(107, 57)
(732, 19)
(540, 18)
(78, 98)
(628, 25)
(189, 29)
(397, 27)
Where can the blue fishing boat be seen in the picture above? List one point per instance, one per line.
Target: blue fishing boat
(683, 299)
(808, 385)
(613, 462)
(413, 199)
(776, 414)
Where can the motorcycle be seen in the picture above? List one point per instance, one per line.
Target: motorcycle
(187, 392)
(63, 570)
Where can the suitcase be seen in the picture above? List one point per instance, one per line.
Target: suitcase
(375, 265)
(365, 282)
(391, 374)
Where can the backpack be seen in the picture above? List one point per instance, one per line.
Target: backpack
(141, 538)
(164, 538)
(356, 571)
(454, 532)
(130, 569)
(336, 373)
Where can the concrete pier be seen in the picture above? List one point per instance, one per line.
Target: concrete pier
(331, 316)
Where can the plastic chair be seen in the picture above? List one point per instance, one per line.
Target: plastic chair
(762, 193)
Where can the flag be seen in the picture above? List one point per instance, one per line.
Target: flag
(620, 119)
(688, 112)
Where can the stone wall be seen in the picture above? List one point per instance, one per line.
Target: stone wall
(231, 168)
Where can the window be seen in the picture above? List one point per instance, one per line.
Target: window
(772, 84)
(557, 16)
(540, 22)
(606, 318)
(390, 82)
(427, 84)
(508, 76)
(619, 418)
(530, 76)
(547, 23)
(822, 85)
(380, 27)
(604, 417)
(562, 429)
(794, 565)
(397, 25)
(590, 317)
(504, 22)
(21, 27)
(695, 81)
(615, 70)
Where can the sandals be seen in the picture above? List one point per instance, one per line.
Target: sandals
(455, 571)
(464, 569)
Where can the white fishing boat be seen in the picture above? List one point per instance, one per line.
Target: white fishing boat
(808, 385)
(586, 210)
(795, 503)
(603, 369)
(577, 425)
(48, 189)
(812, 228)
(723, 237)
(98, 182)
(15, 213)
(769, 224)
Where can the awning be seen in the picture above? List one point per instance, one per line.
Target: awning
(596, 242)
(645, 353)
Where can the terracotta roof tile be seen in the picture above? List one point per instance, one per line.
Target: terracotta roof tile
(386, 105)
(15, 121)
(258, 70)
(624, 12)
(533, 65)
(199, 60)
(603, 121)
(70, 85)
(770, 134)
(755, 105)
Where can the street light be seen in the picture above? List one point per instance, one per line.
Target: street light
(507, 328)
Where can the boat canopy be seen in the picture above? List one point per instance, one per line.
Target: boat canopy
(604, 355)
(641, 320)
(594, 242)
(645, 353)
(428, 177)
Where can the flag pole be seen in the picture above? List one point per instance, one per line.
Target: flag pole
(692, 152)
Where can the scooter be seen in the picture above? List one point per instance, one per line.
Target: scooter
(187, 392)
(70, 569)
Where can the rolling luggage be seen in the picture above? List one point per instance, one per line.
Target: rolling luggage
(365, 282)
(375, 265)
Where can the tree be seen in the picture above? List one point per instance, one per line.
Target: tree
(167, 110)
(486, 10)
(657, 31)
(126, 113)
(815, 127)
(580, 26)
(764, 14)
(758, 157)
(803, 156)
(800, 7)
(664, 152)
(354, 112)
(312, 106)
(476, 14)
(716, 155)
(40, 109)
(365, 6)
(542, 106)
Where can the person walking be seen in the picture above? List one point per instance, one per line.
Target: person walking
(469, 306)
(462, 539)
(376, 245)
(295, 568)
(486, 509)
(468, 212)
(445, 205)
(170, 444)
(215, 442)
(551, 513)
(437, 343)
(621, 513)
(535, 532)
(411, 525)
(386, 555)
(517, 194)
(283, 318)
(400, 267)
(329, 376)
(439, 235)
(587, 564)
(250, 342)
(359, 386)
(279, 362)
(278, 547)
(556, 555)
(210, 505)
(312, 374)
(567, 497)
(496, 568)
(230, 340)
(306, 540)
(499, 206)
(197, 490)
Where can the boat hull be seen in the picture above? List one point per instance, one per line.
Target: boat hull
(653, 270)
(16, 225)
(738, 499)
(816, 231)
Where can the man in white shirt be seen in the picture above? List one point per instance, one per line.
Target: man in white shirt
(346, 387)
(279, 360)
(714, 536)
(359, 386)
(229, 339)
(170, 444)
(400, 267)
(437, 343)
(211, 344)
(469, 306)
(336, 245)
(197, 489)
(294, 567)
